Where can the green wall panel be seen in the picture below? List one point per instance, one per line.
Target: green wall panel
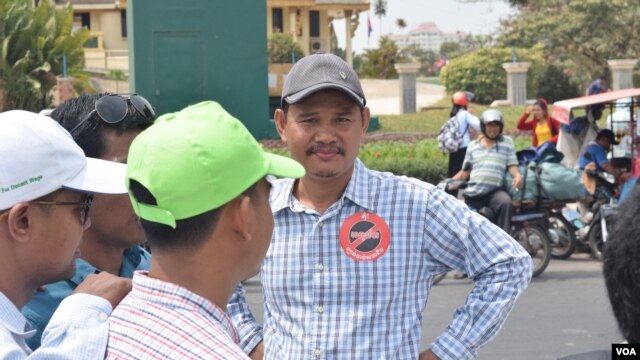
(183, 52)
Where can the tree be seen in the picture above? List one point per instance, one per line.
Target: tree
(34, 41)
(475, 42)
(578, 36)
(450, 49)
(514, 3)
(283, 49)
(380, 10)
(426, 59)
(401, 23)
(380, 62)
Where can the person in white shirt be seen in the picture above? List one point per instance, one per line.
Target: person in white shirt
(46, 188)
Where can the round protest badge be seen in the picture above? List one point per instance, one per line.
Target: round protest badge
(364, 236)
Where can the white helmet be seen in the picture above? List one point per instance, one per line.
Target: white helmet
(489, 116)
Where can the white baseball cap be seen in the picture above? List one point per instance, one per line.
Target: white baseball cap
(38, 157)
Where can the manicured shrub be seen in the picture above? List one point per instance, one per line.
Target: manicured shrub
(482, 73)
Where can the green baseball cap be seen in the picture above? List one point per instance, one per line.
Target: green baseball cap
(197, 160)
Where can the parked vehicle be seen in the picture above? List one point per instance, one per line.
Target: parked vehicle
(592, 227)
(589, 230)
(529, 227)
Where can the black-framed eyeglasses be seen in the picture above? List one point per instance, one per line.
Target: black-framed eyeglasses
(83, 206)
(113, 108)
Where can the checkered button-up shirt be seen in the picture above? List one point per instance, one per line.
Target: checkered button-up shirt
(323, 301)
(160, 320)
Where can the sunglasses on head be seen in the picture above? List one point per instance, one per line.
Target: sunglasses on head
(113, 108)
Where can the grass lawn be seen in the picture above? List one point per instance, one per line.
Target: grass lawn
(435, 80)
(429, 120)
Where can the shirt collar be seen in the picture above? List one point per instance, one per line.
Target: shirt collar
(131, 258)
(174, 296)
(12, 319)
(357, 190)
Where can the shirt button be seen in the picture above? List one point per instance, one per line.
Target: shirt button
(320, 267)
(102, 316)
(320, 224)
(316, 352)
(320, 309)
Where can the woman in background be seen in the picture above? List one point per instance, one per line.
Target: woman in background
(545, 128)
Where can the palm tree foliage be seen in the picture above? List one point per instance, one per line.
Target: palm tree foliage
(33, 41)
(380, 10)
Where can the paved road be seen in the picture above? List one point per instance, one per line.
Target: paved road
(564, 311)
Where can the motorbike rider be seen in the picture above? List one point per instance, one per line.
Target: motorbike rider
(487, 160)
(594, 157)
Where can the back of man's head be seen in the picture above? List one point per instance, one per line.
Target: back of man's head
(188, 165)
(77, 116)
(621, 267)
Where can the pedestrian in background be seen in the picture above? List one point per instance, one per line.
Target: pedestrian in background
(466, 120)
(544, 127)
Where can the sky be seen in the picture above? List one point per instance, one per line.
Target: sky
(481, 17)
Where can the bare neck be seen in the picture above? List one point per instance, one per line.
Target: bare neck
(488, 143)
(100, 254)
(16, 284)
(318, 193)
(209, 278)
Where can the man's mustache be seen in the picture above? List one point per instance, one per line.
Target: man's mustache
(324, 148)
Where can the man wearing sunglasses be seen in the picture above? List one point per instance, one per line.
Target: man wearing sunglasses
(46, 187)
(103, 125)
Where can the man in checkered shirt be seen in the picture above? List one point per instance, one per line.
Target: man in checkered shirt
(354, 251)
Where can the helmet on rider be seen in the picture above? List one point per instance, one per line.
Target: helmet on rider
(462, 98)
(491, 116)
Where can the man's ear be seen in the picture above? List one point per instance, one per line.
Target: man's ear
(366, 117)
(280, 119)
(240, 216)
(20, 222)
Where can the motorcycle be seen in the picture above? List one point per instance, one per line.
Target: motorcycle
(529, 227)
(590, 229)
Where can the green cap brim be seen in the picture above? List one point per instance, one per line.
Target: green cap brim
(282, 166)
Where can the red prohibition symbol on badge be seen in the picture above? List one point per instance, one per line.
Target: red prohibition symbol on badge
(364, 236)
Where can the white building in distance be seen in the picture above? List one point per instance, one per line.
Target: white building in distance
(427, 36)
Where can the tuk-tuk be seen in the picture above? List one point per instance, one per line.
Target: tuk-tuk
(620, 122)
(572, 140)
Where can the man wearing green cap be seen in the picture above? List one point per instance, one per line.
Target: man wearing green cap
(354, 252)
(197, 180)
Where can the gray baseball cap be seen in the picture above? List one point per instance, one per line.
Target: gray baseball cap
(319, 72)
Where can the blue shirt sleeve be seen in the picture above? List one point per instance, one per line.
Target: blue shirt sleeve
(499, 266)
(249, 331)
(599, 155)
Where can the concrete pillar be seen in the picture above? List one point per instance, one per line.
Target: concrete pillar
(516, 82)
(293, 20)
(622, 73)
(64, 90)
(408, 73)
(347, 34)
